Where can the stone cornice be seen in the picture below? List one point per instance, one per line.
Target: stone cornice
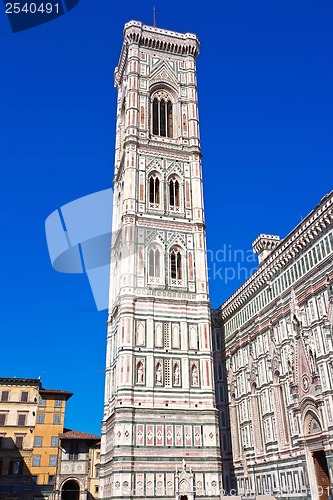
(168, 224)
(151, 37)
(286, 251)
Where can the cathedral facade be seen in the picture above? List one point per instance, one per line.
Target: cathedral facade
(160, 425)
(273, 338)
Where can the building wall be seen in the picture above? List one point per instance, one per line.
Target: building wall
(78, 464)
(49, 424)
(278, 339)
(18, 406)
(28, 454)
(221, 397)
(95, 462)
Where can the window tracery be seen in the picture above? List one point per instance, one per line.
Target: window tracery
(162, 114)
(154, 265)
(174, 194)
(154, 191)
(175, 264)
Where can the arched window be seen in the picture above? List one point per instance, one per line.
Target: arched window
(162, 115)
(174, 194)
(154, 266)
(154, 191)
(176, 273)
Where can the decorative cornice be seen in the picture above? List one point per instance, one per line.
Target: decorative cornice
(151, 37)
(174, 225)
(286, 251)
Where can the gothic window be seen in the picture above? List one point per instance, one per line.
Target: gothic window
(162, 115)
(174, 194)
(154, 191)
(175, 262)
(154, 266)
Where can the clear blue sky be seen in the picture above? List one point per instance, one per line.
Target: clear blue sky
(265, 94)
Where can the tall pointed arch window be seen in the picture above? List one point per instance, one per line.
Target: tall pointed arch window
(154, 266)
(154, 191)
(162, 114)
(174, 194)
(175, 264)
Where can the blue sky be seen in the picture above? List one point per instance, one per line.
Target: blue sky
(265, 94)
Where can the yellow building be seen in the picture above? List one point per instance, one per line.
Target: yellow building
(31, 419)
(49, 424)
(95, 463)
(18, 408)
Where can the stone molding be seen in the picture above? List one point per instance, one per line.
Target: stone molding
(308, 230)
(150, 37)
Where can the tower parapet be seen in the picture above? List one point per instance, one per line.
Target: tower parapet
(264, 244)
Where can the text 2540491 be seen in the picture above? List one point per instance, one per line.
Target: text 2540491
(32, 8)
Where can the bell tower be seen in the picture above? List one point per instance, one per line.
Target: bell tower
(160, 427)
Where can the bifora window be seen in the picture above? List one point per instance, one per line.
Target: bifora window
(176, 267)
(174, 198)
(162, 114)
(154, 265)
(154, 191)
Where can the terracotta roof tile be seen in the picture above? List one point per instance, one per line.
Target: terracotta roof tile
(68, 394)
(71, 434)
